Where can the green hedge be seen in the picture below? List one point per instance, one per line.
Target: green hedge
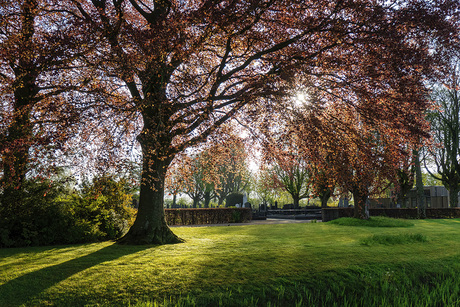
(207, 216)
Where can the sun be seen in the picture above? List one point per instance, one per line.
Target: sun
(300, 99)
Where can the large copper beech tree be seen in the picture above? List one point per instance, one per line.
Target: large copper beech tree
(188, 66)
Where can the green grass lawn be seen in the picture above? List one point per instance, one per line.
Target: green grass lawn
(267, 265)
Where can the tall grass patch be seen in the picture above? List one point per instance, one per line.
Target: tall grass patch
(375, 221)
(389, 239)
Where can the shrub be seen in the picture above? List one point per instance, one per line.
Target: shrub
(49, 213)
(105, 205)
(35, 216)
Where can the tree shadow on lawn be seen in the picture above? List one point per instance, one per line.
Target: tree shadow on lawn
(20, 290)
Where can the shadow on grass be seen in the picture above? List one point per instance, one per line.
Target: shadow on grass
(22, 289)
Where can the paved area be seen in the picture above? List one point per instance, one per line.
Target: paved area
(254, 222)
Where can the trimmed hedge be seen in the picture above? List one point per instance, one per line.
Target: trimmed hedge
(176, 217)
(329, 214)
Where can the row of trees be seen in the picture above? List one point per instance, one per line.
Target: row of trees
(93, 79)
(444, 152)
(214, 173)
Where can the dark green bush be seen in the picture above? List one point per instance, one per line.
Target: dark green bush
(48, 213)
(34, 216)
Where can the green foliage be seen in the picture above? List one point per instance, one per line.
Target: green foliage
(429, 180)
(375, 221)
(34, 216)
(51, 212)
(236, 217)
(386, 239)
(105, 204)
(182, 202)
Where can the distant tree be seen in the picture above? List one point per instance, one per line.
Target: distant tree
(195, 181)
(405, 180)
(429, 180)
(291, 173)
(359, 155)
(322, 185)
(229, 158)
(445, 127)
(174, 182)
(264, 186)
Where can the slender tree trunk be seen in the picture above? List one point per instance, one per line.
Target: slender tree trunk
(220, 199)
(453, 197)
(324, 197)
(150, 225)
(404, 202)
(207, 199)
(421, 205)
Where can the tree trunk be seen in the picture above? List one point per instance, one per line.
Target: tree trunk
(15, 155)
(421, 205)
(150, 225)
(404, 202)
(220, 198)
(16, 158)
(296, 200)
(324, 197)
(207, 199)
(453, 197)
(18, 142)
(360, 197)
(196, 200)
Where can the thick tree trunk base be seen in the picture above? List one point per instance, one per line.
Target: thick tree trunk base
(361, 211)
(150, 236)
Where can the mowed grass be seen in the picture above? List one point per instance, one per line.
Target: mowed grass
(318, 264)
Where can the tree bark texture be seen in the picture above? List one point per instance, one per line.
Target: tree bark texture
(19, 135)
(453, 197)
(296, 200)
(360, 197)
(150, 225)
(324, 196)
(421, 204)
